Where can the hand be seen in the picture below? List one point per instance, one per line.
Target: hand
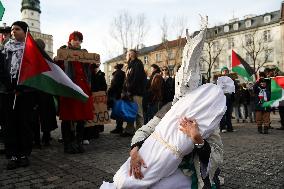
(135, 164)
(190, 128)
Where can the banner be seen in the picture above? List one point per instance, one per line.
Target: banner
(75, 55)
(101, 115)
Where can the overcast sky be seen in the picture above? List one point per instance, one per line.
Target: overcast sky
(93, 17)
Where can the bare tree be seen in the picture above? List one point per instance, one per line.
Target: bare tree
(256, 48)
(211, 52)
(173, 51)
(129, 31)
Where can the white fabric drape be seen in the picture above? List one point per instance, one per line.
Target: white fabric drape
(207, 105)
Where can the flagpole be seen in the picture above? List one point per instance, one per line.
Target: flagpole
(15, 97)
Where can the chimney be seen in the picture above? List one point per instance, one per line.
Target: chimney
(282, 11)
(124, 50)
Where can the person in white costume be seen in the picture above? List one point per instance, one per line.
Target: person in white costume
(165, 148)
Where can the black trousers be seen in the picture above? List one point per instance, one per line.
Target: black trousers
(226, 121)
(18, 132)
(68, 133)
(281, 113)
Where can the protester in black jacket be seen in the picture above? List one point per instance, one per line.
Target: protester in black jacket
(114, 93)
(18, 112)
(134, 88)
(98, 83)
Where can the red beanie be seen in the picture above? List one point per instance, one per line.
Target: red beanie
(75, 35)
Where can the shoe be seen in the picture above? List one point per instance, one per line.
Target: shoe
(12, 163)
(23, 161)
(270, 127)
(86, 142)
(259, 129)
(60, 140)
(280, 128)
(126, 134)
(232, 130)
(265, 130)
(116, 131)
(238, 121)
(81, 149)
(223, 131)
(71, 149)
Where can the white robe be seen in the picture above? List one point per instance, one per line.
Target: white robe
(164, 149)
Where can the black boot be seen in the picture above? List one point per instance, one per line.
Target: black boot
(259, 129)
(80, 135)
(265, 131)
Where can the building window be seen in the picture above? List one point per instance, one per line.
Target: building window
(266, 36)
(146, 60)
(32, 24)
(236, 26)
(226, 28)
(216, 46)
(231, 43)
(249, 58)
(158, 57)
(216, 31)
(32, 13)
(268, 55)
(248, 39)
(267, 19)
(171, 54)
(248, 23)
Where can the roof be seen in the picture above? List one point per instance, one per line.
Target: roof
(172, 44)
(142, 51)
(256, 21)
(31, 5)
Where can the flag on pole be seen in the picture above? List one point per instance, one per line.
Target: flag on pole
(38, 71)
(2, 10)
(277, 92)
(241, 67)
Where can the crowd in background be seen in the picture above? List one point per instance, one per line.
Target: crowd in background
(150, 91)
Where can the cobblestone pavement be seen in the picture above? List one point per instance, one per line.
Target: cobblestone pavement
(251, 160)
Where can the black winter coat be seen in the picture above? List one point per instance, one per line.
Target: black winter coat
(136, 79)
(98, 81)
(116, 85)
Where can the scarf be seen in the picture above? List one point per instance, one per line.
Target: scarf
(15, 48)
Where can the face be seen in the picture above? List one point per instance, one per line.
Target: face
(76, 43)
(18, 33)
(263, 84)
(224, 72)
(165, 71)
(130, 55)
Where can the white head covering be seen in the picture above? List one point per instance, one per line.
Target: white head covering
(188, 76)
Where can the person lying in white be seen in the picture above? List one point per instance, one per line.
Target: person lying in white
(167, 145)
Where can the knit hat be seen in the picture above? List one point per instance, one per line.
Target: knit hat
(22, 25)
(74, 35)
(224, 68)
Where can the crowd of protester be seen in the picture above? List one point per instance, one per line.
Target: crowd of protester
(34, 111)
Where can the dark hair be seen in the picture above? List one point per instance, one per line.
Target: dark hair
(262, 74)
(22, 25)
(155, 66)
(118, 66)
(156, 87)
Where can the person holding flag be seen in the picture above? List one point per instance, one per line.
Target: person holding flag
(19, 100)
(262, 113)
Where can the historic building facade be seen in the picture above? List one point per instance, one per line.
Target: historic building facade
(31, 15)
(261, 34)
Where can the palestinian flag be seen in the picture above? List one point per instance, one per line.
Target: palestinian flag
(241, 67)
(277, 92)
(2, 10)
(38, 71)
